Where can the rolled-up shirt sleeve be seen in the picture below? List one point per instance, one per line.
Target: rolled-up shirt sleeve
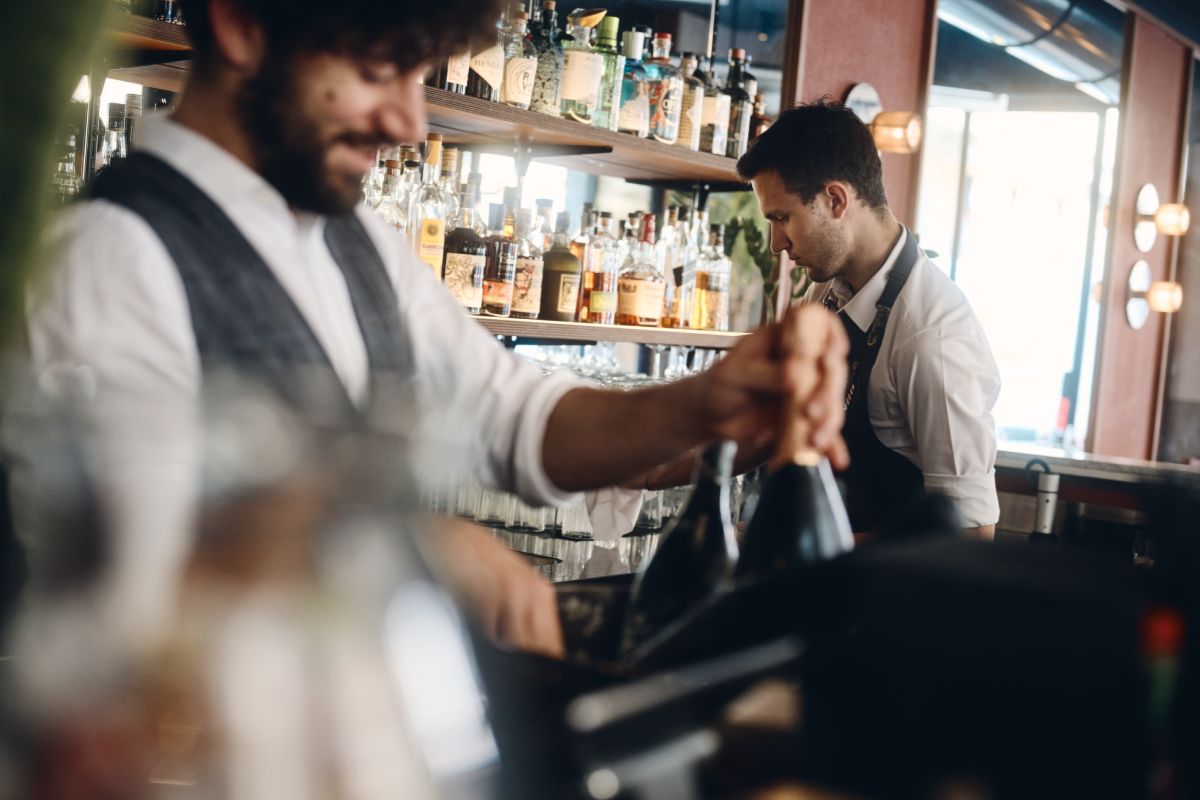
(947, 384)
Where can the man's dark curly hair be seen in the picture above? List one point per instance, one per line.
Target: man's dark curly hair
(813, 144)
(405, 32)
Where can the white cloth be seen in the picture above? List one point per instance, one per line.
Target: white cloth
(934, 384)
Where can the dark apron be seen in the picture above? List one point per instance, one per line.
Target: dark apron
(880, 483)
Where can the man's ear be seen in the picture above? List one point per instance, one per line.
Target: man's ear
(238, 35)
(837, 195)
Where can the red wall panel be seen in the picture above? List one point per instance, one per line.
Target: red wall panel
(886, 43)
(1150, 150)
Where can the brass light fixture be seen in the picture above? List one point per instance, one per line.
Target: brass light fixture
(897, 131)
(1165, 296)
(1151, 219)
(1172, 219)
(1142, 295)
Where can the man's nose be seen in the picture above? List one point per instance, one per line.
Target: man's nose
(779, 241)
(402, 117)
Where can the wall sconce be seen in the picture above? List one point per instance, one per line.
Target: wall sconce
(897, 131)
(1143, 295)
(1151, 219)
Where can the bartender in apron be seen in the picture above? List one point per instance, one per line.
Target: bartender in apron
(922, 381)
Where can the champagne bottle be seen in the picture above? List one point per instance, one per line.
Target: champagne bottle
(695, 556)
(800, 519)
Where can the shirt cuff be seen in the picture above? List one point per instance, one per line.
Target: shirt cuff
(533, 485)
(975, 496)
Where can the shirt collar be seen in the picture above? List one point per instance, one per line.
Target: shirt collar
(861, 307)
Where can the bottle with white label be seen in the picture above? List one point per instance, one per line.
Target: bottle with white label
(388, 206)
(486, 71)
(641, 287)
(453, 75)
(583, 67)
(527, 280)
(462, 268)
(634, 115)
(714, 116)
(561, 276)
(427, 211)
(666, 92)
(691, 104)
(520, 65)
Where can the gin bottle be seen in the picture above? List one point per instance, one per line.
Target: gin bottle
(583, 66)
(547, 83)
(634, 116)
(613, 74)
(714, 116)
(691, 103)
(487, 71)
(448, 184)
(666, 92)
(520, 65)
(427, 211)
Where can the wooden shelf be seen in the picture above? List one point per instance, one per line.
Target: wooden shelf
(469, 120)
(142, 33)
(583, 332)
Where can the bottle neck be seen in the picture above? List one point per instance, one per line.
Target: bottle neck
(662, 49)
(560, 238)
(688, 66)
(465, 209)
(431, 173)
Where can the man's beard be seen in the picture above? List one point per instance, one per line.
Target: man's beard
(826, 253)
(288, 144)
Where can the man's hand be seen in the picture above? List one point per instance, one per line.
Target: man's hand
(509, 602)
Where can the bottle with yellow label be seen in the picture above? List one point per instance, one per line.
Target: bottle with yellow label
(427, 211)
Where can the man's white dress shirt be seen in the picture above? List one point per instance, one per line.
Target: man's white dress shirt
(931, 393)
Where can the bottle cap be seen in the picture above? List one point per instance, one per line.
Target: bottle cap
(496, 213)
(605, 215)
(758, 98)
(390, 165)
(562, 223)
(522, 16)
(449, 158)
(433, 137)
(737, 52)
(607, 32)
(645, 30)
(412, 164)
(632, 44)
(665, 36)
(544, 203)
(475, 178)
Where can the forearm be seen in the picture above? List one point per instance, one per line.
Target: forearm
(984, 533)
(679, 472)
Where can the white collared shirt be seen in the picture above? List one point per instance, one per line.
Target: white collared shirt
(931, 393)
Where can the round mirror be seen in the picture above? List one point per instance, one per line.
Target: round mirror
(863, 100)
(1144, 230)
(1137, 308)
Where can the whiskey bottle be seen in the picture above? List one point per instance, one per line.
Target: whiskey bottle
(587, 229)
(527, 280)
(613, 74)
(466, 253)
(695, 558)
(520, 65)
(500, 265)
(598, 303)
(487, 70)
(547, 83)
(714, 116)
(741, 106)
(561, 274)
(634, 115)
(666, 92)
(672, 251)
(583, 67)
(640, 287)
(691, 103)
(427, 211)
(710, 301)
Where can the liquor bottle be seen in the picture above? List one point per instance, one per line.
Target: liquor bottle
(800, 519)
(448, 185)
(454, 72)
(133, 120)
(372, 183)
(759, 121)
(741, 106)
(111, 146)
(749, 81)
(547, 83)
(710, 300)
(695, 559)
(598, 303)
(427, 211)
(389, 206)
(543, 226)
(669, 256)
(486, 70)
(561, 274)
(666, 92)
(691, 103)
(527, 280)
(613, 74)
(587, 229)
(65, 184)
(169, 11)
(583, 67)
(641, 287)
(627, 244)
(520, 65)
(634, 114)
(474, 181)
(500, 265)
(466, 256)
(714, 116)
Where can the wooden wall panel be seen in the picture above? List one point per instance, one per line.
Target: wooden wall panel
(886, 43)
(1149, 150)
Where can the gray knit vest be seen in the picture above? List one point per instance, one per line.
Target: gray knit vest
(244, 319)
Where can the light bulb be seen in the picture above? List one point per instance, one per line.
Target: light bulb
(896, 131)
(1172, 219)
(1165, 296)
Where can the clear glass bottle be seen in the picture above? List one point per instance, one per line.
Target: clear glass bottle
(710, 309)
(169, 11)
(741, 106)
(598, 303)
(389, 206)
(691, 104)
(500, 265)
(543, 224)
(693, 257)
(452, 76)
(527, 280)
(613, 75)
(372, 183)
(674, 257)
(561, 275)
(427, 211)
(520, 65)
(666, 92)
(714, 116)
(466, 256)
(634, 115)
(449, 187)
(587, 229)
(640, 286)
(112, 146)
(547, 83)
(474, 182)
(486, 71)
(583, 67)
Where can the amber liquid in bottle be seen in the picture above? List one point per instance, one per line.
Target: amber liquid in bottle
(500, 266)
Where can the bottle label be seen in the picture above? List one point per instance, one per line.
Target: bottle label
(689, 117)
(638, 298)
(432, 244)
(602, 302)
(518, 81)
(489, 65)
(635, 112)
(464, 278)
(457, 68)
(714, 124)
(664, 110)
(581, 78)
(496, 293)
(527, 286)
(568, 292)
(548, 83)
